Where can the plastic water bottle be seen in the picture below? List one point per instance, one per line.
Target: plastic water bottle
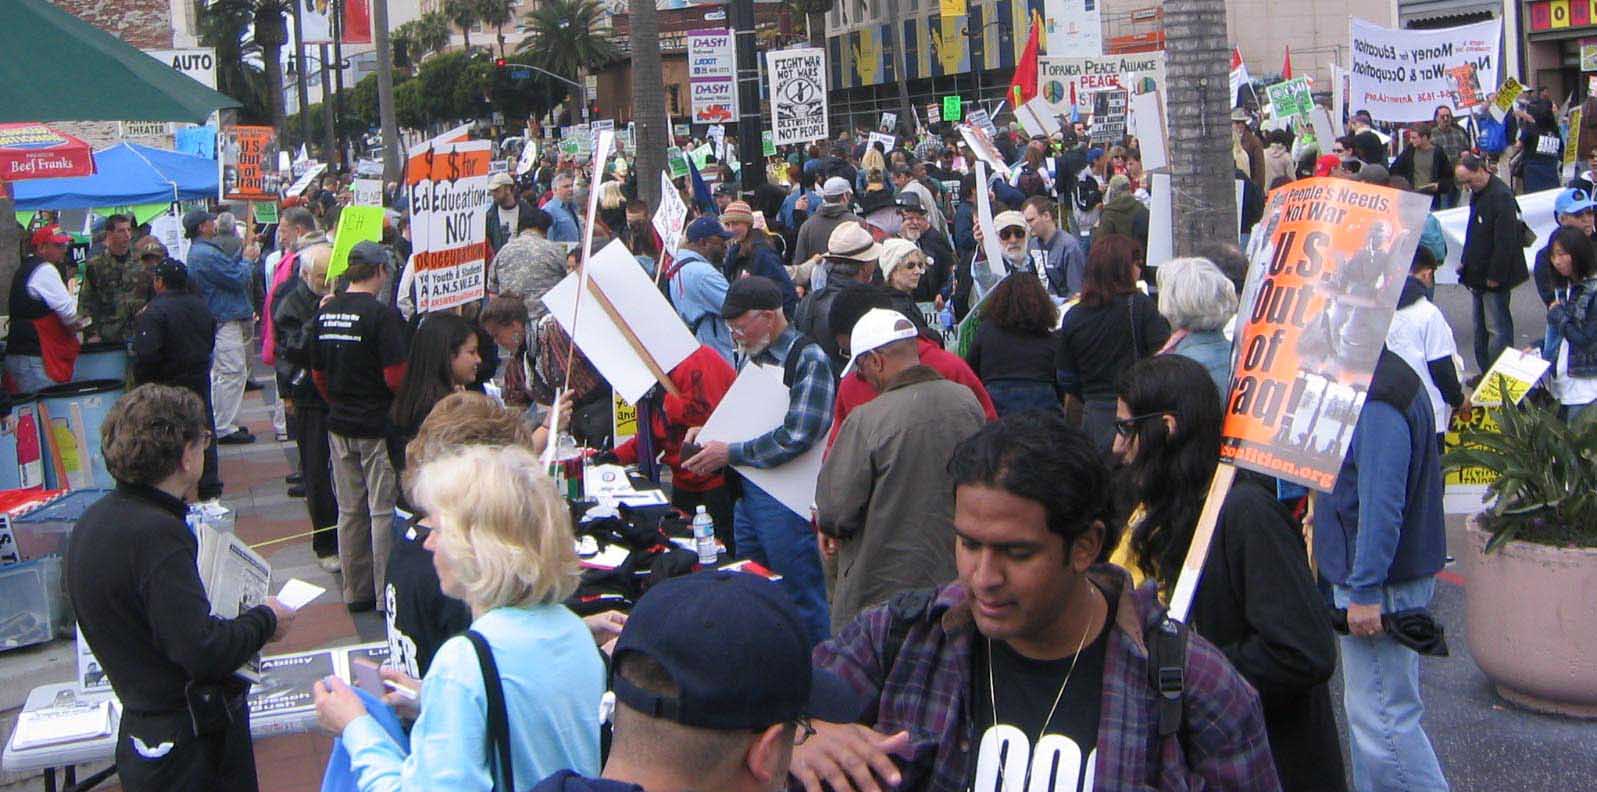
(704, 538)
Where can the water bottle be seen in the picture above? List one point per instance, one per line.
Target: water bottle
(704, 538)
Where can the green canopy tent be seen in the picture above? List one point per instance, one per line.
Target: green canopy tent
(56, 67)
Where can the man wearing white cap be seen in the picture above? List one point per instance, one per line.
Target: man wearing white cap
(837, 195)
(979, 275)
(508, 215)
(884, 498)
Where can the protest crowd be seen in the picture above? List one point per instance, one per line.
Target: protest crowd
(922, 437)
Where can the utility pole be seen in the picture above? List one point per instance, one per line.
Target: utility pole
(302, 79)
(337, 105)
(329, 130)
(385, 92)
(750, 150)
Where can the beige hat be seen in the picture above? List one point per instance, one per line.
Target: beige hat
(894, 252)
(500, 180)
(852, 241)
(1010, 218)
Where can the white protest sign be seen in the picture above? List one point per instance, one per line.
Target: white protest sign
(982, 120)
(671, 217)
(889, 122)
(197, 63)
(1069, 82)
(598, 127)
(887, 141)
(984, 218)
(982, 145)
(717, 136)
(303, 183)
(1161, 219)
(448, 188)
(1403, 75)
(1075, 26)
(367, 192)
(1148, 125)
(649, 321)
(798, 95)
(756, 404)
(169, 229)
(712, 75)
(1320, 121)
(528, 159)
(1037, 116)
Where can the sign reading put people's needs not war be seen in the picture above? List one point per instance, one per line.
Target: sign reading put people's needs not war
(1321, 292)
(798, 95)
(448, 188)
(1403, 75)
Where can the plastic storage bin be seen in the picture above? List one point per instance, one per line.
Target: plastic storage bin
(47, 529)
(32, 604)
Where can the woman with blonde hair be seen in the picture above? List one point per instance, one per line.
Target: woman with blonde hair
(501, 541)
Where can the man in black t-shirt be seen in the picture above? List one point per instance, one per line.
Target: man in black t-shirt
(358, 363)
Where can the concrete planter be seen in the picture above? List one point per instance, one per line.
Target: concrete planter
(1532, 618)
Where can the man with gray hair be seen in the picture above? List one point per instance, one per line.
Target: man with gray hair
(837, 195)
(1199, 301)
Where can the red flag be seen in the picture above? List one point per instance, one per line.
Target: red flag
(1286, 64)
(357, 24)
(1023, 88)
(1236, 58)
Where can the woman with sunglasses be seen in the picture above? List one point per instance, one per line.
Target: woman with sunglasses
(902, 266)
(1257, 601)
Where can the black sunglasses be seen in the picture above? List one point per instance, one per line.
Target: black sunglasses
(1127, 427)
(1012, 233)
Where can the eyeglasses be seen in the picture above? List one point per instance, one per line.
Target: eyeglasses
(1127, 427)
(1012, 233)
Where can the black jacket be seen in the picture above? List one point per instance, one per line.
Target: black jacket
(293, 315)
(173, 338)
(1259, 606)
(141, 606)
(496, 232)
(1441, 169)
(1492, 244)
(939, 264)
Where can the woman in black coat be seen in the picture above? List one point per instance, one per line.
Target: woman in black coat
(1257, 601)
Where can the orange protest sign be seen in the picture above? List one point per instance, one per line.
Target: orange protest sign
(448, 189)
(1321, 291)
(247, 156)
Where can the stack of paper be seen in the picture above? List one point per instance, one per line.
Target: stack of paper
(64, 723)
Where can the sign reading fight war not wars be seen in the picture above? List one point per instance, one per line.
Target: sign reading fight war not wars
(798, 95)
(1320, 295)
(1404, 75)
(448, 188)
(247, 156)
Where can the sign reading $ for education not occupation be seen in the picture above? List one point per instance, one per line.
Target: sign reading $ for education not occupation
(1321, 292)
(448, 188)
(798, 95)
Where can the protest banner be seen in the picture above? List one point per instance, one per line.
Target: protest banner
(1572, 150)
(303, 183)
(355, 224)
(889, 123)
(1535, 209)
(623, 419)
(701, 156)
(1466, 86)
(1513, 374)
(934, 114)
(1507, 94)
(367, 192)
(1068, 83)
(1403, 75)
(981, 144)
(248, 164)
(1108, 117)
(528, 159)
(1148, 124)
(990, 246)
(887, 141)
(798, 95)
(1037, 117)
(1464, 489)
(712, 75)
(982, 120)
(671, 217)
(1290, 98)
(767, 143)
(754, 405)
(717, 138)
(1320, 296)
(265, 212)
(953, 108)
(1075, 26)
(448, 189)
(676, 162)
(1320, 122)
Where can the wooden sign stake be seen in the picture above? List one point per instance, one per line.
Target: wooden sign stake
(1198, 551)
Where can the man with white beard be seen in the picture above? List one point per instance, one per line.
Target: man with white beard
(917, 227)
(980, 276)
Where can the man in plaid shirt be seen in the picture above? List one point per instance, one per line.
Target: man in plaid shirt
(1030, 671)
(763, 528)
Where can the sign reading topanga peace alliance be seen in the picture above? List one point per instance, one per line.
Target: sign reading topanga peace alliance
(1404, 75)
(798, 95)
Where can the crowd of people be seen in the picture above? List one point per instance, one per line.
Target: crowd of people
(1002, 513)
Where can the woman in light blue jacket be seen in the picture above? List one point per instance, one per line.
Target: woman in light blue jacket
(1199, 301)
(502, 543)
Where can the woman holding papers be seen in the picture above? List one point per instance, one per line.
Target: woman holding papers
(1572, 322)
(1256, 601)
(501, 541)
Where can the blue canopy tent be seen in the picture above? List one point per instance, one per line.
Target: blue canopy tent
(127, 175)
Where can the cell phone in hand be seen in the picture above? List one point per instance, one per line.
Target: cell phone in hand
(367, 674)
(690, 450)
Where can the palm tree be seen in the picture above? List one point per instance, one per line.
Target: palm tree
(815, 15)
(462, 14)
(226, 26)
(269, 22)
(648, 100)
(566, 38)
(1198, 59)
(496, 14)
(431, 33)
(385, 91)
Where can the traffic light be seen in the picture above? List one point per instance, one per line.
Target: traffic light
(500, 63)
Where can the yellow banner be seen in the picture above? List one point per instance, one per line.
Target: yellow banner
(624, 419)
(953, 8)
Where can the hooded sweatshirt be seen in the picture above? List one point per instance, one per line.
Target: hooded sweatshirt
(817, 230)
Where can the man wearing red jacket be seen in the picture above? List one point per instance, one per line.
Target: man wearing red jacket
(701, 381)
(854, 391)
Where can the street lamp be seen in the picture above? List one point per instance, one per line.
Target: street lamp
(582, 90)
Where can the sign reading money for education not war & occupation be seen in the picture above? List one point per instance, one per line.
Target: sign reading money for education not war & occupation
(1320, 296)
(1404, 75)
(798, 95)
(448, 186)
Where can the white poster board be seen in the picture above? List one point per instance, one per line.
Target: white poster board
(1074, 26)
(887, 141)
(981, 144)
(672, 216)
(756, 404)
(798, 95)
(984, 218)
(1536, 209)
(1067, 82)
(1148, 124)
(1402, 75)
(640, 305)
(1038, 117)
(448, 197)
(303, 183)
(367, 192)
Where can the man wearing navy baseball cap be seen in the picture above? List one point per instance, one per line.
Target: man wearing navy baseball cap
(697, 286)
(714, 687)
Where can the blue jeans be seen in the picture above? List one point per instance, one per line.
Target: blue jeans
(1381, 691)
(27, 371)
(1494, 325)
(783, 542)
(1014, 395)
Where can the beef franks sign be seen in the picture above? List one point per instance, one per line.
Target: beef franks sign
(798, 95)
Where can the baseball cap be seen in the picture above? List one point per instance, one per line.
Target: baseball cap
(148, 246)
(500, 180)
(835, 186)
(367, 252)
(877, 328)
(1094, 153)
(704, 228)
(1008, 219)
(193, 220)
(754, 293)
(172, 273)
(726, 188)
(1325, 164)
(759, 672)
(1573, 201)
(852, 241)
(50, 235)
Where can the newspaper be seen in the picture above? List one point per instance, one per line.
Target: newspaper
(236, 579)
